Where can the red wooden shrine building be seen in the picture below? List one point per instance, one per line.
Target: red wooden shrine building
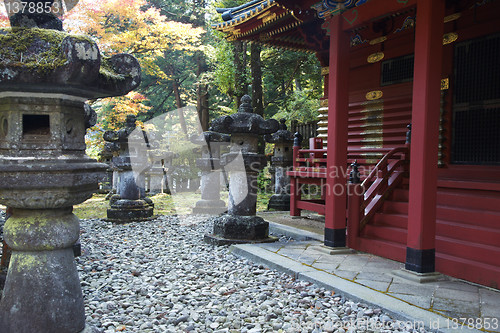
(433, 204)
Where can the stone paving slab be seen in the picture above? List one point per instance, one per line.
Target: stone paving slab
(398, 308)
(441, 305)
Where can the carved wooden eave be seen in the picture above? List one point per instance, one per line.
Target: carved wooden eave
(274, 23)
(328, 8)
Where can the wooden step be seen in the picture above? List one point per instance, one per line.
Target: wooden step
(391, 220)
(395, 207)
(468, 232)
(390, 250)
(400, 194)
(387, 233)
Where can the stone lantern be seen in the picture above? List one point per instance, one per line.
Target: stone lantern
(130, 203)
(43, 167)
(209, 163)
(281, 161)
(243, 163)
(155, 175)
(107, 185)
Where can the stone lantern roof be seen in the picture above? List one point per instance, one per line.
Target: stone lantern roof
(244, 121)
(41, 60)
(208, 137)
(283, 135)
(37, 56)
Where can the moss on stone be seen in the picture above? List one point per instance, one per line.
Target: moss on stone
(26, 262)
(107, 70)
(35, 49)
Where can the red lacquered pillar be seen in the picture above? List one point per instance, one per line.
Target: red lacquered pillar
(338, 115)
(420, 254)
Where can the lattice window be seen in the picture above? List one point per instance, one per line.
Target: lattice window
(397, 70)
(476, 109)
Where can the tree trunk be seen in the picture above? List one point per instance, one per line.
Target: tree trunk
(202, 88)
(257, 95)
(202, 93)
(256, 67)
(240, 88)
(180, 105)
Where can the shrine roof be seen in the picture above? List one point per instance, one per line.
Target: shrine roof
(266, 21)
(292, 24)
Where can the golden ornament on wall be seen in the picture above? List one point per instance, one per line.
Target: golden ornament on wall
(374, 95)
(375, 57)
(450, 38)
(445, 84)
(452, 17)
(378, 40)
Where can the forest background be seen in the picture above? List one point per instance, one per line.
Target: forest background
(187, 63)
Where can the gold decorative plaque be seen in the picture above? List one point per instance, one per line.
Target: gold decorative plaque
(452, 17)
(378, 40)
(325, 71)
(324, 102)
(374, 95)
(445, 84)
(450, 38)
(375, 57)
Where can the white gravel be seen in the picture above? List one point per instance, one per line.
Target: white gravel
(159, 276)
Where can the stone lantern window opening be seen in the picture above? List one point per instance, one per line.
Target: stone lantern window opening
(36, 124)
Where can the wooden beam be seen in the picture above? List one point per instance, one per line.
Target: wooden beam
(373, 10)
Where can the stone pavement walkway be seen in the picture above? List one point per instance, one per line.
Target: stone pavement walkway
(447, 305)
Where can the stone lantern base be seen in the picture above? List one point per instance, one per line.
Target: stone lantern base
(211, 207)
(279, 202)
(126, 211)
(233, 229)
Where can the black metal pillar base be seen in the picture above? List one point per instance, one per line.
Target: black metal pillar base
(335, 237)
(420, 261)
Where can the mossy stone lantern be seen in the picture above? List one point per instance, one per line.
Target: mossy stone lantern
(243, 163)
(281, 161)
(130, 203)
(43, 167)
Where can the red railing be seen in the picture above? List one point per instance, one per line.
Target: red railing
(310, 167)
(368, 197)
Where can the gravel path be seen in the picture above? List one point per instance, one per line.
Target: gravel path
(159, 276)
